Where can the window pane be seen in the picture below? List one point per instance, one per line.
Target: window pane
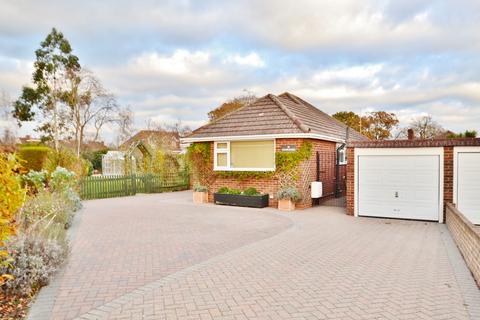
(222, 145)
(252, 154)
(221, 159)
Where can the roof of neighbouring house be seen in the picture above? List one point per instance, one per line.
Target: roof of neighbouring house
(167, 139)
(282, 114)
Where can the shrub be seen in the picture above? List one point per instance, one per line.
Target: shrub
(289, 193)
(227, 190)
(251, 192)
(200, 188)
(48, 214)
(12, 197)
(66, 159)
(34, 260)
(34, 156)
(95, 158)
(35, 179)
(62, 179)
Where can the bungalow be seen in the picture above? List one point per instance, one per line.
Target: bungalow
(274, 142)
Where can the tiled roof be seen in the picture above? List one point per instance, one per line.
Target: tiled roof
(169, 140)
(416, 143)
(283, 114)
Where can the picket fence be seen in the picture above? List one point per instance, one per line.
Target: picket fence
(99, 187)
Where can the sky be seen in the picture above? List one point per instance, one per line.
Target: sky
(177, 60)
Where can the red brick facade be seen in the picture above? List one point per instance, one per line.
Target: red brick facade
(306, 174)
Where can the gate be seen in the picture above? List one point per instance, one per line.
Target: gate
(332, 172)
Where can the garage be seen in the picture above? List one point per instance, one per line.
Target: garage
(399, 183)
(467, 191)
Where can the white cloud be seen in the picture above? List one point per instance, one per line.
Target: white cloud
(252, 60)
(180, 62)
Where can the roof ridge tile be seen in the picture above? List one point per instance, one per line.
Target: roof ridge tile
(289, 113)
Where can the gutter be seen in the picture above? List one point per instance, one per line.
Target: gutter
(264, 136)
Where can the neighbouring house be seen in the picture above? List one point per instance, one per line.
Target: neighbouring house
(274, 142)
(87, 146)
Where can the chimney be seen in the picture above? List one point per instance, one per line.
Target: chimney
(411, 134)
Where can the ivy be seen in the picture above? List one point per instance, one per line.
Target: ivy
(285, 161)
(201, 149)
(244, 175)
(199, 155)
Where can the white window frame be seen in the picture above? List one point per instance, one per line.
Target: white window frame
(216, 151)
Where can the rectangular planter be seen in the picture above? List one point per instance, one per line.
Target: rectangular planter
(241, 200)
(200, 197)
(286, 205)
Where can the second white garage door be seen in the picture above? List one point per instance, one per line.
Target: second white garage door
(399, 186)
(468, 185)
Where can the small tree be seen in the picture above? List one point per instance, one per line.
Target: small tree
(231, 106)
(466, 134)
(349, 118)
(54, 62)
(379, 125)
(426, 128)
(89, 104)
(124, 121)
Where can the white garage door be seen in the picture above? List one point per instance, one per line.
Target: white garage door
(399, 186)
(468, 185)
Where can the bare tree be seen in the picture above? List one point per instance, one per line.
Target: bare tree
(6, 118)
(124, 121)
(90, 105)
(426, 128)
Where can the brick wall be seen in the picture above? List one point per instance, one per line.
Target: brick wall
(351, 181)
(306, 172)
(467, 238)
(448, 174)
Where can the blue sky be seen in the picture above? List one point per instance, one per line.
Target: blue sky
(176, 60)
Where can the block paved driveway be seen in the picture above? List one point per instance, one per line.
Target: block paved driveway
(161, 257)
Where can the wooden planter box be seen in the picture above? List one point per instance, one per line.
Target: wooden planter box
(286, 205)
(241, 200)
(200, 197)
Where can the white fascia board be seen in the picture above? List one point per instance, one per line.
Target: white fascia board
(264, 136)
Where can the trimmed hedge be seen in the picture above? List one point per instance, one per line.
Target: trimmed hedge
(34, 156)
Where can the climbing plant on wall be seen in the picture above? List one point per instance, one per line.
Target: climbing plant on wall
(286, 162)
(199, 158)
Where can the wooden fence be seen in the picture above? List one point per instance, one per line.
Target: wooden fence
(99, 187)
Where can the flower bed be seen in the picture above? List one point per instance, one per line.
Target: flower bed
(37, 246)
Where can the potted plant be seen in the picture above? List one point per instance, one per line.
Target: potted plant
(250, 197)
(287, 197)
(200, 194)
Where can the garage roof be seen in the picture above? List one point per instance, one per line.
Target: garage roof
(416, 143)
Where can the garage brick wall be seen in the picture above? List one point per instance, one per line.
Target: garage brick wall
(467, 237)
(306, 171)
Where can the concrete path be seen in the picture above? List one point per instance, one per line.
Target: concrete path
(161, 257)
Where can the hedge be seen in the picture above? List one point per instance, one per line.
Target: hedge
(34, 156)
